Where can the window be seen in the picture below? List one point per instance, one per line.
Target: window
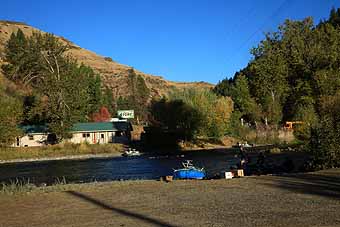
(102, 136)
(85, 135)
(30, 137)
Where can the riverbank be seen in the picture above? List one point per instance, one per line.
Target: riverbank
(310, 199)
(59, 152)
(68, 157)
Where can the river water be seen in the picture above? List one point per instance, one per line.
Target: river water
(117, 168)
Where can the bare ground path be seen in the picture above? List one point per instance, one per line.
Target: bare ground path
(294, 200)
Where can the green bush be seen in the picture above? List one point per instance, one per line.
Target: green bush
(325, 137)
(193, 112)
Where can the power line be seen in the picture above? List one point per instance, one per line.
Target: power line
(271, 17)
(250, 14)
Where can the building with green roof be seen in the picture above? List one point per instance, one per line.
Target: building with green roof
(101, 132)
(90, 132)
(33, 136)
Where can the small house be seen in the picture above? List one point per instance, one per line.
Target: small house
(101, 132)
(91, 132)
(34, 136)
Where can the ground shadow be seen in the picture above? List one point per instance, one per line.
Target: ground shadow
(118, 210)
(309, 183)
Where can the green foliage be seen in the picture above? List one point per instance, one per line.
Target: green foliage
(269, 78)
(138, 98)
(16, 55)
(294, 76)
(107, 100)
(176, 116)
(62, 91)
(10, 116)
(334, 17)
(91, 82)
(243, 100)
(325, 138)
(195, 112)
(225, 87)
(292, 67)
(16, 187)
(309, 117)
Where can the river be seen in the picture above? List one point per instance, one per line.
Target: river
(108, 169)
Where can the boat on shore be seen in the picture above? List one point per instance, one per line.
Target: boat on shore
(131, 152)
(189, 171)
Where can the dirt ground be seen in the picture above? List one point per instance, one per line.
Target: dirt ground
(311, 199)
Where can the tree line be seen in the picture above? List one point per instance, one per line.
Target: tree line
(137, 99)
(53, 89)
(43, 85)
(187, 115)
(294, 74)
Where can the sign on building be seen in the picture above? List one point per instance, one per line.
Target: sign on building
(126, 114)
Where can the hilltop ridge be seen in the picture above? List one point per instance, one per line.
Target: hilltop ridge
(113, 74)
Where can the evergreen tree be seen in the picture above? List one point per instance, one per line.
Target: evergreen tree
(243, 102)
(107, 100)
(10, 116)
(334, 17)
(94, 92)
(138, 98)
(225, 87)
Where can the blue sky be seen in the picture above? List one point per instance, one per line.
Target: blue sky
(181, 40)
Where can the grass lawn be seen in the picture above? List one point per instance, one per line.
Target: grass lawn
(309, 199)
(59, 150)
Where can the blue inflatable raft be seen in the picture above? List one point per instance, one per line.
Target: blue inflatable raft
(189, 171)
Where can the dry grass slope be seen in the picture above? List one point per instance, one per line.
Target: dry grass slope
(114, 75)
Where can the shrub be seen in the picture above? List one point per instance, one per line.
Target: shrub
(325, 137)
(213, 112)
(108, 59)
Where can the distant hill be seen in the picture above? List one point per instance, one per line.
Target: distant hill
(113, 74)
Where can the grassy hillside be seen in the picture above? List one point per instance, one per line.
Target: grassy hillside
(113, 74)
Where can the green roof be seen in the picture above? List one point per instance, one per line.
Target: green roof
(81, 127)
(34, 129)
(101, 126)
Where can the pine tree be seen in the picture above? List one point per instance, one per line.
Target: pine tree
(107, 100)
(10, 116)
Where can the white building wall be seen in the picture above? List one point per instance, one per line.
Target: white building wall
(92, 137)
(35, 140)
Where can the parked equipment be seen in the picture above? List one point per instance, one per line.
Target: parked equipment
(289, 125)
